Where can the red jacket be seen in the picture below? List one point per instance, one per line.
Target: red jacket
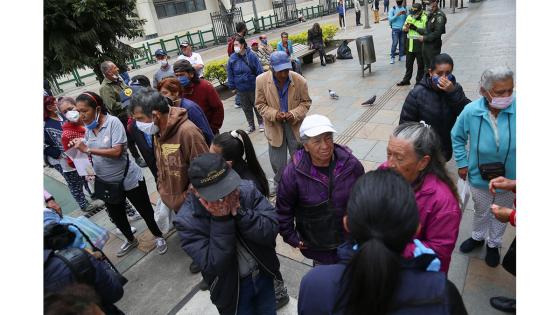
(205, 95)
(70, 132)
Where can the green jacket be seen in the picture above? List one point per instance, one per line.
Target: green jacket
(415, 45)
(110, 92)
(435, 27)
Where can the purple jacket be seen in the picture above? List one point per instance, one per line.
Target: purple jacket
(302, 183)
(440, 216)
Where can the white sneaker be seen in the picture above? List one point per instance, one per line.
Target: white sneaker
(161, 245)
(126, 247)
(133, 229)
(236, 106)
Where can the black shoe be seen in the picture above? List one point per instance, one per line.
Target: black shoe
(194, 268)
(323, 64)
(203, 286)
(492, 256)
(469, 245)
(140, 161)
(403, 83)
(503, 304)
(281, 294)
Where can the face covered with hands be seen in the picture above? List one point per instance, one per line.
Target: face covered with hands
(224, 206)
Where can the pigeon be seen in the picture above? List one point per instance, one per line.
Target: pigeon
(333, 94)
(370, 101)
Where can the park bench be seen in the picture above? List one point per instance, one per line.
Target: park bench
(303, 52)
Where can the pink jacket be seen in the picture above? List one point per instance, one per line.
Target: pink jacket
(440, 216)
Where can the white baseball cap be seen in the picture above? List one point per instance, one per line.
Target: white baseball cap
(314, 125)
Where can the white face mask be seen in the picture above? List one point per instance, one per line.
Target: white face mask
(72, 115)
(147, 128)
(237, 49)
(163, 63)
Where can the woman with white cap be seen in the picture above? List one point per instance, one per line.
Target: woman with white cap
(314, 189)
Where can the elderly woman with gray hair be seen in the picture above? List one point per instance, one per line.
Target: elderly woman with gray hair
(488, 125)
(414, 151)
(313, 192)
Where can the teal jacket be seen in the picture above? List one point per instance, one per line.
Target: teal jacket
(279, 47)
(466, 129)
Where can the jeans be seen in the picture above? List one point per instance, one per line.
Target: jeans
(237, 100)
(385, 6)
(398, 38)
(256, 296)
(341, 20)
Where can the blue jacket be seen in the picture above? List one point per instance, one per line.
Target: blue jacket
(242, 76)
(418, 291)
(397, 22)
(212, 242)
(57, 275)
(279, 47)
(52, 138)
(467, 129)
(339, 9)
(197, 116)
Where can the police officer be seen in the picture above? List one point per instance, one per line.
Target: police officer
(435, 27)
(415, 20)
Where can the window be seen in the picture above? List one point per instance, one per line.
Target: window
(169, 8)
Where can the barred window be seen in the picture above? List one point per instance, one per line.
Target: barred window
(169, 8)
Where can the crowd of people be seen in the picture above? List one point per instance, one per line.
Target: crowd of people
(380, 241)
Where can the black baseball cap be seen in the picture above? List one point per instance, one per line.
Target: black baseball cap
(212, 177)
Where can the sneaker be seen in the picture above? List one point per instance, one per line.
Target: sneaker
(161, 245)
(281, 294)
(127, 247)
(250, 130)
(194, 268)
(402, 83)
(392, 61)
(470, 244)
(503, 304)
(94, 204)
(236, 106)
(261, 127)
(140, 161)
(492, 256)
(133, 229)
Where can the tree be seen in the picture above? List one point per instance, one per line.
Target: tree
(84, 33)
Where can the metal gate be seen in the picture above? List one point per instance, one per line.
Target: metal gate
(286, 11)
(329, 6)
(224, 22)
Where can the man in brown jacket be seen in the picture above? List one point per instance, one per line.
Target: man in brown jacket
(282, 99)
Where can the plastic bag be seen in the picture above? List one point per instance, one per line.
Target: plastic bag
(163, 216)
(343, 51)
(464, 193)
(97, 234)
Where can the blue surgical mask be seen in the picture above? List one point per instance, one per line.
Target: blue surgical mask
(93, 124)
(264, 41)
(435, 79)
(184, 80)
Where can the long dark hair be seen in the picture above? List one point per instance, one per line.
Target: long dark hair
(425, 141)
(316, 28)
(234, 145)
(382, 219)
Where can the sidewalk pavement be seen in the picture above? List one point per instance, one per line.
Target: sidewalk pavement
(476, 40)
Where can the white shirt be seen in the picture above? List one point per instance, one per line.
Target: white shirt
(194, 59)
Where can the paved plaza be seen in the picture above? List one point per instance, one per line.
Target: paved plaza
(477, 37)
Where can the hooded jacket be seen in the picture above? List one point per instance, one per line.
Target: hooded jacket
(212, 242)
(303, 184)
(437, 108)
(175, 147)
(242, 71)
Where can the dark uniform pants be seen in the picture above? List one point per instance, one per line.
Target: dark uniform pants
(410, 56)
(429, 51)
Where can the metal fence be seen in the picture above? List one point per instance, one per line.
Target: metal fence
(198, 40)
(286, 11)
(223, 23)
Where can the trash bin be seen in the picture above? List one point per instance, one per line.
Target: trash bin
(366, 52)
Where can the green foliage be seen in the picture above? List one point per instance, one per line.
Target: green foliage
(329, 30)
(216, 70)
(83, 33)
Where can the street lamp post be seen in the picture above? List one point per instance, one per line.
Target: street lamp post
(256, 17)
(366, 11)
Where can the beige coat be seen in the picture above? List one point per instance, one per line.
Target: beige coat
(267, 103)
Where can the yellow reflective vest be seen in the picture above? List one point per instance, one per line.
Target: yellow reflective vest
(419, 23)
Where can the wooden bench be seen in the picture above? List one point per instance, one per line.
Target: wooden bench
(303, 52)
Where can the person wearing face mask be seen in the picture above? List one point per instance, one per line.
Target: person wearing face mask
(243, 67)
(263, 44)
(437, 99)
(194, 58)
(230, 228)
(165, 69)
(54, 151)
(416, 20)
(201, 92)
(116, 176)
(431, 35)
(264, 57)
(488, 126)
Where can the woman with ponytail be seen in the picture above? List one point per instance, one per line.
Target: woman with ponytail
(236, 147)
(372, 277)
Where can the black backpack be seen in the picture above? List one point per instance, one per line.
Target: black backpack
(77, 260)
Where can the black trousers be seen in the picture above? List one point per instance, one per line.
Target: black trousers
(321, 52)
(429, 51)
(410, 56)
(141, 201)
(341, 20)
(358, 15)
